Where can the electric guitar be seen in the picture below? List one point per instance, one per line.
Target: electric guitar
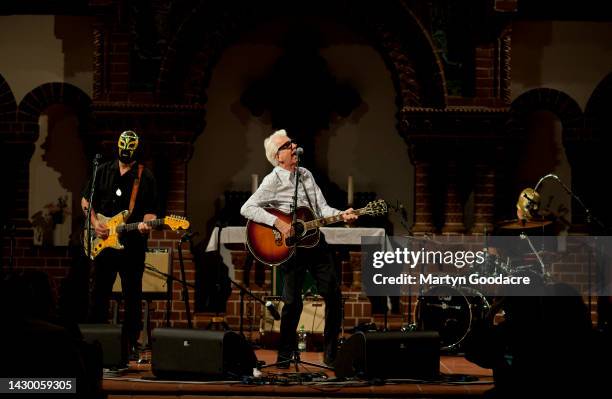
(116, 225)
(268, 245)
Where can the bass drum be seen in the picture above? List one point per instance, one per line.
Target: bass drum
(450, 311)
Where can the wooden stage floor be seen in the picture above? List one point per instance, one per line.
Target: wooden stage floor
(139, 382)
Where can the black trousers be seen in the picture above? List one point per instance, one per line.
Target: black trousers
(319, 262)
(130, 266)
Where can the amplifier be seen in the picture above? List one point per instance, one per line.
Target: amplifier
(152, 282)
(312, 318)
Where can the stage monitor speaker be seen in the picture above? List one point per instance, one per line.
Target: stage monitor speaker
(152, 283)
(179, 353)
(388, 355)
(109, 337)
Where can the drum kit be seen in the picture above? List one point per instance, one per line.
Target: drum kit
(454, 310)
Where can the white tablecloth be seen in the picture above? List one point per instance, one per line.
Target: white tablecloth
(333, 236)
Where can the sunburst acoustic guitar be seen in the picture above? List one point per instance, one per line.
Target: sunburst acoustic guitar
(268, 245)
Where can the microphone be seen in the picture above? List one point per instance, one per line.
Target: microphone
(97, 158)
(188, 236)
(272, 309)
(299, 151)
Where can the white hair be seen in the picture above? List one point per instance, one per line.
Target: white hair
(271, 147)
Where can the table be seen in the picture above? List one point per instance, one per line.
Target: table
(333, 236)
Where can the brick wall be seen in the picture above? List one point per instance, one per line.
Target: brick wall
(116, 108)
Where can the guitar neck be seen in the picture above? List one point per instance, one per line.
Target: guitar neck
(134, 226)
(313, 224)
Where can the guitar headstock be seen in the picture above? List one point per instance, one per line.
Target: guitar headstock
(176, 222)
(376, 208)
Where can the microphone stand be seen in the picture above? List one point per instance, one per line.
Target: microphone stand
(92, 188)
(590, 220)
(185, 290)
(170, 278)
(525, 237)
(245, 291)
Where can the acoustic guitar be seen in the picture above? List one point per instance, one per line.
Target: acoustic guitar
(116, 225)
(268, 245)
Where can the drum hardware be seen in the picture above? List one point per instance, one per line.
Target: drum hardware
(525, 237)
(444, 306)
(451, 311)
(493, 265)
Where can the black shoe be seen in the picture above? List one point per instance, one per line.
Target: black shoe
(283, 361)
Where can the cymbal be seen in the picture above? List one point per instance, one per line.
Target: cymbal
(518, 224)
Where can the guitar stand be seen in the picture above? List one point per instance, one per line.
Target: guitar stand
(295, 359)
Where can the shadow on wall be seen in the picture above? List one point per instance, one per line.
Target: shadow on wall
(62, 156)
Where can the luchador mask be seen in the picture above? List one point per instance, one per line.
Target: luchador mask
(127, 145)
(528, 204)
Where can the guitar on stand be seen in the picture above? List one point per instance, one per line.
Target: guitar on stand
(268, 245)
(116, 225)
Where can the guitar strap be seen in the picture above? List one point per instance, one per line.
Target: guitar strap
(135, 190)
(315, 210)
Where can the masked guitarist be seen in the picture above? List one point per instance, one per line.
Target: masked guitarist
(115, 191)
(277, 190)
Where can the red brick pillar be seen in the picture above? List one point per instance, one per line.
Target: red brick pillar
(484, 198)
(423, 219)
(453, 208)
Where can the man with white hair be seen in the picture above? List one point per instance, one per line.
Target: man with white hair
(277, 190)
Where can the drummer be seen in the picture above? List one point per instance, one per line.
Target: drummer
(531, 221)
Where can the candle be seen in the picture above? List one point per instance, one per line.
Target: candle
(254, 183)
(349, 191)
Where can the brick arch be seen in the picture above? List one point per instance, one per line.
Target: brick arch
(580, 149)
(8, 106)
(45, 95)
(393, 30)
(555, 101)
(598, 108)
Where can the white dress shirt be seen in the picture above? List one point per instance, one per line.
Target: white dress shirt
(276, 191)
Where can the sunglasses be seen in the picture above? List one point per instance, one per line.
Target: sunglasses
(285, 146)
